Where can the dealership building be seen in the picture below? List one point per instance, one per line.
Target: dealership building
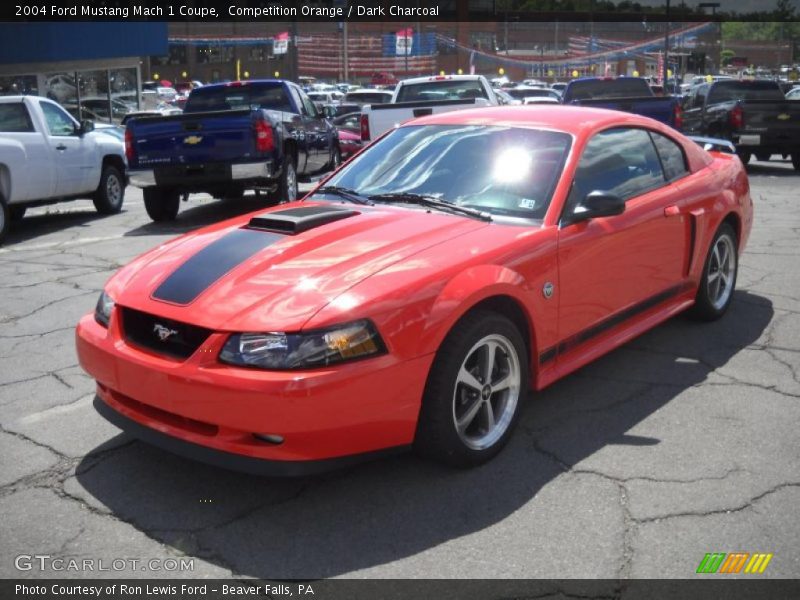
(93, 69)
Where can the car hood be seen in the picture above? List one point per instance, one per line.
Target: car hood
(247, 275)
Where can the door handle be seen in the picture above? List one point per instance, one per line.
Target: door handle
(61, 147)
(672, 211)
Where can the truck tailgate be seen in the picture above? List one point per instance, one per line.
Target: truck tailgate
(225, 136)
(770, 115)
(385, 116)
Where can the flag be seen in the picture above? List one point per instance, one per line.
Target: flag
(405, 41)
(280, 43)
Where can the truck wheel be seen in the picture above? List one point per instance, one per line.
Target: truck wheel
(233, 194)
(111, 191)
(15, 213)
(5, 218)
(744, 156)
(161, 205)
(336, 158)
(796, 160)
(287, 184)
(763, 156)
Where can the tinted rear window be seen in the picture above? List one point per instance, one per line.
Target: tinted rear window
(367, 98)
(269, 96)
(726, 91)
(442, 90)
(626, 87)
(14, 118)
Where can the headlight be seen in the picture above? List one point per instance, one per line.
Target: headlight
(281, 351)
(102, 312)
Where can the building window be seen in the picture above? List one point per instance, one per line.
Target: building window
(177, 56)
(215, 53)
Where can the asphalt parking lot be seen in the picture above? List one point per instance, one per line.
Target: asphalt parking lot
(682, 442)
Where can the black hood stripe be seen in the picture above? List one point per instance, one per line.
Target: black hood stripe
(198, 273)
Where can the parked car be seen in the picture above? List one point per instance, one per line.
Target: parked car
(754, 115)
(383, 79)
(47, 156)
(348, 129)
(420, 293)
(504, 98)
(366, 96)
(259, 134)
(320, 99)
(628, 94)
(424, 96)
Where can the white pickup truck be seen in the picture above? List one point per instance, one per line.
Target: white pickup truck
(47, 156)
(424, 96)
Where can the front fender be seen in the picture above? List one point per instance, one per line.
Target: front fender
(468, 289)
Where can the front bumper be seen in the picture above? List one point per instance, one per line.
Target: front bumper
(213, 412)
(203, 174)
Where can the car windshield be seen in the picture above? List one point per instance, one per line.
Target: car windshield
(506, 171)
(233, 97)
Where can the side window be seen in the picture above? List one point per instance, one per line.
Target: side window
(297, 99)
(14, 118)
(672, 157)
(58, 122)
(700, 96)
(620, 161)
(308, 106)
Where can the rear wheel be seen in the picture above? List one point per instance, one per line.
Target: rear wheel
(287, 183)
(744, 156)
(5, 218)
(233, 194)
(473, 396)
(160, 204)
(763, 156)
(719, 276)
(336, 158)
(15, 213)
(111, 191)
(796, 160)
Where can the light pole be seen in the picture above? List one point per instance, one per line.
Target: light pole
(666, 51)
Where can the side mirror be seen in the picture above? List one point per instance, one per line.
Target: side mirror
(86, 126)
(598, 204)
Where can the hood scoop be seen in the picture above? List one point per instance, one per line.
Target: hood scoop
(297, 220)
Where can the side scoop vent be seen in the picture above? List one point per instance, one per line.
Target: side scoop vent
(298, 220)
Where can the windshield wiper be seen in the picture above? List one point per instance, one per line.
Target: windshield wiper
(431, 202)
(346, 193)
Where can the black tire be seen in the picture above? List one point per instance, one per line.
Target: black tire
(233, 194)
(765, 156)
(437, 434)
(16, 213)
(744, 156)
(287, 190)
(796, 160)
(5, 219)
(706, 306)
(111, 192)
(160, 204)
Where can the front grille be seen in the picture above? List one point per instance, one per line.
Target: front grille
(180, 340)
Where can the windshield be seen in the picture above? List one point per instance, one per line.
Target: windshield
(726, 91)
(454, 89)
(211, 98)
(507, 171)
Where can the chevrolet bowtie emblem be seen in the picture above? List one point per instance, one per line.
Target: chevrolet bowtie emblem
(193, 139)
(163, 333)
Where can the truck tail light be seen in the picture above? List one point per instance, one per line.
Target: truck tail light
(264, 139)
(737, 117)
(130, 149)
(678, 116)
(364, 127)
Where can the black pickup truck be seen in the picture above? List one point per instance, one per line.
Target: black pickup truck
(753, 114)
(231, 137)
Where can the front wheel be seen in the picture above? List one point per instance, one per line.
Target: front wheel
(719, 276)
(5, 219)
(161, 205)
(16, 213)
(763, 156)
(111, 191)
(473, 396)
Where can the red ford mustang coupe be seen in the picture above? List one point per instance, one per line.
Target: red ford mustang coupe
(416, 296)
